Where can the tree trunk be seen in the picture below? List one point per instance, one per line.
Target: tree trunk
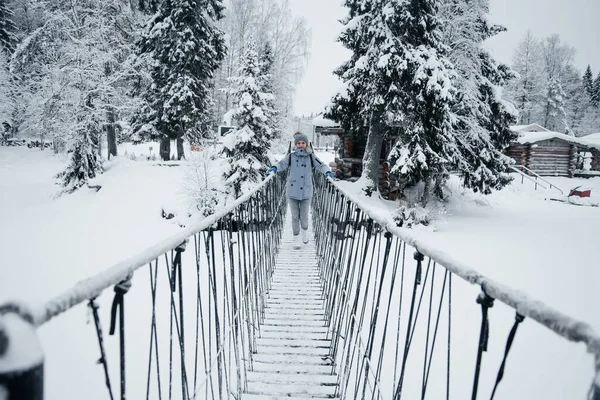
(425, 195)
(180, 153)
(370, 171)
(165, 148)
(111, 136)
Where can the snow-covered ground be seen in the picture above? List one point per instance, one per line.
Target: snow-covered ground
(546, 249)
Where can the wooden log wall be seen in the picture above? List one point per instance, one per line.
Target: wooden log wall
(595, 160)
(518, 152)
(552, 158)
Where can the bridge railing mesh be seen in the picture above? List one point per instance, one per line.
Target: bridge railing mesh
(408, 321)
(183, 318)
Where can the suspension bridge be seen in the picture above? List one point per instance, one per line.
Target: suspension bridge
(227, 309)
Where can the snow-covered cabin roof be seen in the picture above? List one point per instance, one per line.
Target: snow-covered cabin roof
(528, 128)
(324, 122)
(594, 138)
(533, 137)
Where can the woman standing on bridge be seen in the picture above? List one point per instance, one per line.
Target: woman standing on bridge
(301, 162)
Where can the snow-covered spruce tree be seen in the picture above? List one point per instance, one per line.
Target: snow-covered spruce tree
(267, 21)
(266, 62)
(84, 161)
(596, 92)
(558, 61)
(577, 101)
(8, 40)
(398, 74)
(483, 118)
(527, 91)
(555, 117)
(247, 146)
(588, 81)
(360, 101)
(185, 48)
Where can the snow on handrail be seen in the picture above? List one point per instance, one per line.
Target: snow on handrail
(562, 324)
(93, 286)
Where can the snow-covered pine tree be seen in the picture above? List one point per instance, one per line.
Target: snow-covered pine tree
(84, 161)
(483, 118)
(527, 90)
(8, 40)
(420, 92)
(354, 107)
(186, 47)
(398, 75)
(577, 101)
(555, 117)
(247, 146)
(588, 81)
(267, 21)
(596, 92)
(558, 59)
(265, 62)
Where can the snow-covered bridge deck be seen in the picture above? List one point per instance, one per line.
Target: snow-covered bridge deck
(292, 355)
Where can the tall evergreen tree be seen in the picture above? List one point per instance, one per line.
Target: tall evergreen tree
(555, 117)
(267, 21)
(483, 117)
(266, 64)
(588, 81)
(247, 146)
(8, 41)
(422, 78)
(84, 160)
(185, 47)
(577, 101)
(398, 74)
(596, 92)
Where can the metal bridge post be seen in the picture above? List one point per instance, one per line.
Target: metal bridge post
(21, 356)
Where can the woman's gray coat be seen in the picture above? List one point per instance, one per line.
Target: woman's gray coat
(299, 183)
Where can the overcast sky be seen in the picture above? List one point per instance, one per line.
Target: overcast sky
(576, 21)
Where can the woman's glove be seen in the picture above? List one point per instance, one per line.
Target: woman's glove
(329, 174)
(272, 170)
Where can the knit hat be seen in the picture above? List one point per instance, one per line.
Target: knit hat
(300, 136)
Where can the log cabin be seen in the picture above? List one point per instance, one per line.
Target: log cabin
(546, 153)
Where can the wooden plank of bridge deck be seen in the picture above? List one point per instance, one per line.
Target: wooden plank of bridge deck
(292, 352)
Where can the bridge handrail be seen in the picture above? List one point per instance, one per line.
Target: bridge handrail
(560, 323)
(527, 176)
(537, 176)
(92, 287)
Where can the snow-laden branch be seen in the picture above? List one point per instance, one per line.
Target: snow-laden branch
(562, 324)
(93, 286)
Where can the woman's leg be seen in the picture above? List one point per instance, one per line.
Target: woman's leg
(304, 206)
(295, 209)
